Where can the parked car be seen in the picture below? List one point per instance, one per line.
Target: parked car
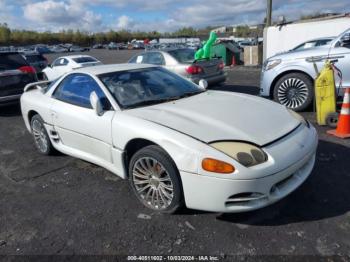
(177, 143)
(289, 77)
(64, 64)
(75, 48)
(58, 49)
(243, 44)
(15, 73)
(314, 43)
(113, 46)
(181, 61)
(42, 49)
(36, 60)
(97, 46)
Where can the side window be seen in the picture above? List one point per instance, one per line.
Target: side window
(322, 42)
(139, 59)
(60, 62)
(155, 59)
(76, 89)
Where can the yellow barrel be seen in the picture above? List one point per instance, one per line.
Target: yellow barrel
(325, 93)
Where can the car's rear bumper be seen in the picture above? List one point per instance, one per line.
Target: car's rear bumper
(215, 79)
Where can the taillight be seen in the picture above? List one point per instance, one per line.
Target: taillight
(193, 70)
(27, 69)
(221, 66)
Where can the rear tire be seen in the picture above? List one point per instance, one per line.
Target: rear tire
(294, 91)
(155, 180)
(41, 138)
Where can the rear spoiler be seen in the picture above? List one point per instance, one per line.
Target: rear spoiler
(206, 59)
(41, 85)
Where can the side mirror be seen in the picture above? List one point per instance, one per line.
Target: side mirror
(203, 83)
(96, 104)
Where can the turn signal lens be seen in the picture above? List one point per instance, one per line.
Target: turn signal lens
(217, 166)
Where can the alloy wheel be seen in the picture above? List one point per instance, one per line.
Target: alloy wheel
(293, 93)
(153, 183)
(40, 137)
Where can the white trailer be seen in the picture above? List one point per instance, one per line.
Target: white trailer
(281, 38)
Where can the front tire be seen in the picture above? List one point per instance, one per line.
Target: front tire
(294, 91)
(155, 180)
(41, 138)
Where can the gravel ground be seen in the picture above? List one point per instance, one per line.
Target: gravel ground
(62, 205)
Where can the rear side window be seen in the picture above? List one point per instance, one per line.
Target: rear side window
(139, 59)
(76, 89)
(155, 59)
(183, 55)
(60, 62)
(81, 60)
(11, 61)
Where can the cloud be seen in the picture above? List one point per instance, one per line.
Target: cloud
(125, 22)
(150, 15)
(61, 15)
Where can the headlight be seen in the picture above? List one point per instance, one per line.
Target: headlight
(269, 64)
(246, 154)
(298, 117)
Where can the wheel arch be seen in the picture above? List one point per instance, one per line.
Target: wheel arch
(278, 77)
(135, 145)
(30, 114)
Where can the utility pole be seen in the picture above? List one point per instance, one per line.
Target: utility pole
(268, 13)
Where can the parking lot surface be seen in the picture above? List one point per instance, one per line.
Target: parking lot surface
(62, 205)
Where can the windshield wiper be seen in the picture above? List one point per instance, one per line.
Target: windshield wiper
(148, 102)
(187, 94)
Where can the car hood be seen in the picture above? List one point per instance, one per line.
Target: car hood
(216, 115)
(304, 53)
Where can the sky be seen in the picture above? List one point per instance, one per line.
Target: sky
(151, 15)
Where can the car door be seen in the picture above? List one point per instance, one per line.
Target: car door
(77, 124)
(341, 51)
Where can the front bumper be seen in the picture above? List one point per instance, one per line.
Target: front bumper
(291, 162)
(266, 81)
(231, 196)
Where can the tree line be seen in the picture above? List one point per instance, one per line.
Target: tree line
(27, 37)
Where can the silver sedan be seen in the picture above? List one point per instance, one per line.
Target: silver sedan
(182, 62)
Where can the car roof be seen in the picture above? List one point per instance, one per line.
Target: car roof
(74, 56)
(103, 69)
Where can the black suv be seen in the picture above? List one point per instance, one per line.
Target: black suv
(15, 74)
(38, 61)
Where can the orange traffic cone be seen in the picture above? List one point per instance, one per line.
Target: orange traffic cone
(233, 62)
(343, 127)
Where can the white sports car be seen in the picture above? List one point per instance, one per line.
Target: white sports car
(65, 64)
(177, 143)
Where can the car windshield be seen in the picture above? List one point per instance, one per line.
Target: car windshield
(147, 86)
(84, 59)
(183, 55)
